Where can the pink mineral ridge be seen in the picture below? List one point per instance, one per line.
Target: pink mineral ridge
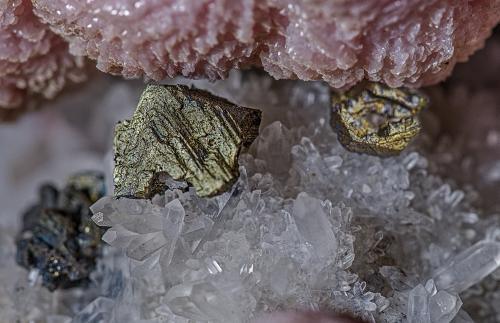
(33, 60)
(405, 42)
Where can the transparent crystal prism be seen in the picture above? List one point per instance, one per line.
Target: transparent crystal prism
(418, 305)
(144, 245)
(316, 230)
(202, 302)
(195, 229)
(469, 267)
(444, 306)
(96, 312)
(173, 223)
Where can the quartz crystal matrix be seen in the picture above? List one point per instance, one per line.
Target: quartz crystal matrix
(59, 242)
(408, 42)
(308, 225)
(183, 134)
(376, 119)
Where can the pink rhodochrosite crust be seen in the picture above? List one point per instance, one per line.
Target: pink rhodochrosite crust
(406, 42)
(33, 60)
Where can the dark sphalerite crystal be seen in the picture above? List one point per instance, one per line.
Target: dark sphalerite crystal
(59, 239)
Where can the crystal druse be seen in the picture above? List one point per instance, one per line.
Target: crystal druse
(399, 43)
(34, 61)
(410, 42)
(183, 134)
(59, 243)
(308, 225)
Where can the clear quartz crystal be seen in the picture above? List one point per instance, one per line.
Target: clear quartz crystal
(316, 230)
(307, 226)
(144, 245)
(428, 305)
(302, 228)
(97, 311)
(418, 305)
(444, 306)
(469, 267)
(196, 228)
(172, 225)
(202, 301)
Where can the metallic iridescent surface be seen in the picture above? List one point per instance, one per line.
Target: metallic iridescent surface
(376, 119)
(185, 134)
(59, 240)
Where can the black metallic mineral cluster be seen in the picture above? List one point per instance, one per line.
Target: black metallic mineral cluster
(59, 242)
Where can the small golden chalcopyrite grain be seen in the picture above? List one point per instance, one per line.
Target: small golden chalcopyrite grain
(376, 119)
(186, 134)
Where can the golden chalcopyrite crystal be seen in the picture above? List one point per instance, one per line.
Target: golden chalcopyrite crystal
(376, 119)
(182, 133)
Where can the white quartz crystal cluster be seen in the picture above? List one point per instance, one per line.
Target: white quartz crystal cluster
(307, 226)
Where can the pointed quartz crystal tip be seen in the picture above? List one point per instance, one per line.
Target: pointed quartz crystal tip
(418, 305)
(428, 305)
(184, 134)
(469, 267)
(376, 119)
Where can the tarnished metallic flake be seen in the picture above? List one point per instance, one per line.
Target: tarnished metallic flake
(185, 134)
(376, 119)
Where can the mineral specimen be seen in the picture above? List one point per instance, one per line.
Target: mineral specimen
(376, 119)
(469, 267)
(182, 134)
(400, 223)
(59, 242)
(33, 60)
(409, 42)
(305, 317)
(438, 301)
(308, 226)
(430, 305)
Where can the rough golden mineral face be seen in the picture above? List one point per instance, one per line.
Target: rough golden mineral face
(376, 119)
(182, 133)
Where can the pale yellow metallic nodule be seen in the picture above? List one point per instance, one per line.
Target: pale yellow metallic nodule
(186, 134)
(376, 119)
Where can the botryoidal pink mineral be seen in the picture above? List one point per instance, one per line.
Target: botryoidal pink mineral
(408, 42)
(33, 60)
